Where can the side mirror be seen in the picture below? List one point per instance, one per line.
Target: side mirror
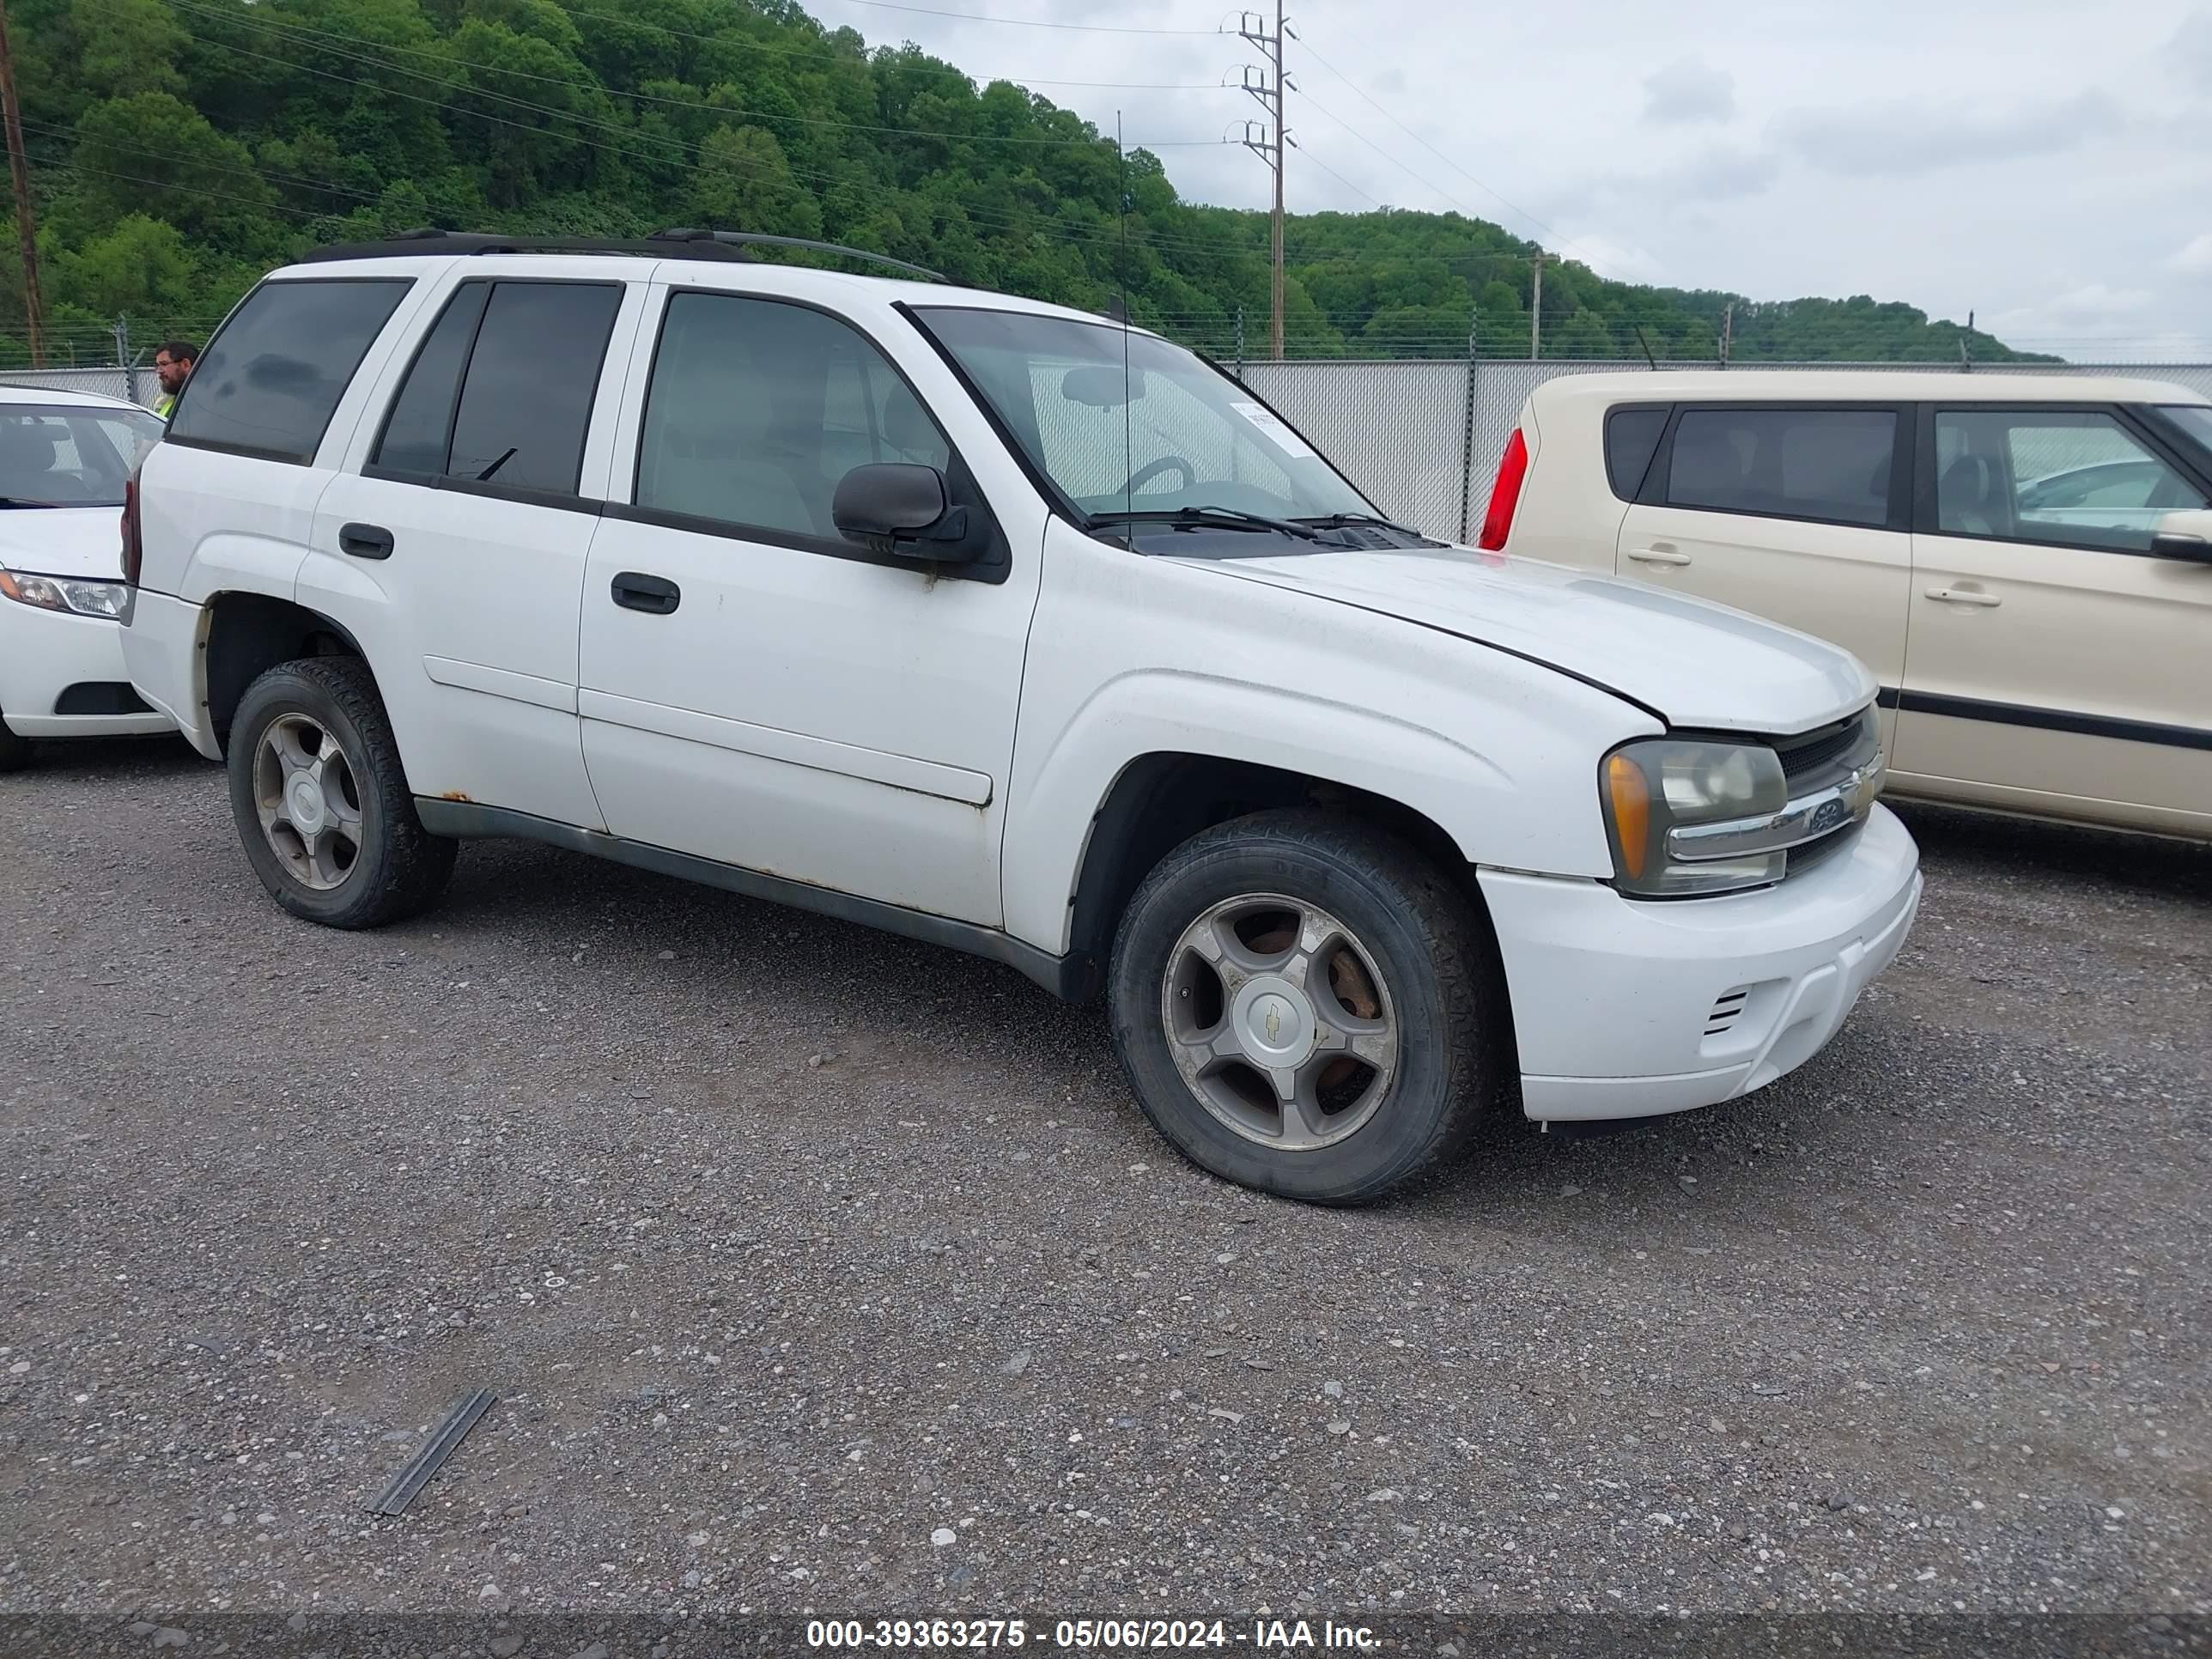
(2186, 535)
(905, 509)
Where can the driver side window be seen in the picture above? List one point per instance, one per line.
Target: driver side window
(757, 409)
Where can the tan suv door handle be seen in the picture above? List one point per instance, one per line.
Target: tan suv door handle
(1964, 596)
(1658, 555)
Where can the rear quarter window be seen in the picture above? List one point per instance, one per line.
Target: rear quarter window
(1631, 438)
(273, 376)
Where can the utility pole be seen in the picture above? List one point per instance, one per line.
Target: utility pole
(19, 172)
(1727, 331)
(1536, 312)
(1466, 425)
(1268, 90)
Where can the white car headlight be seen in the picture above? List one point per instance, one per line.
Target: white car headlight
(70, 593)
(1690, 816)
(1657, 785)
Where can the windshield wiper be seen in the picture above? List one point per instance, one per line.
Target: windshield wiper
(1341, 520)
(1210, 517)
(12, 500)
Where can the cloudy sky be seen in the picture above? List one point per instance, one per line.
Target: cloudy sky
(2045, 164)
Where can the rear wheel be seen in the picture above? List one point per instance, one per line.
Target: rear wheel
(1304, 1005)
(321, 801)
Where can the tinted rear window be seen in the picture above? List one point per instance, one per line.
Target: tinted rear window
(274, 375)
(1631, 436)
(526, 401)
(1827, 464)
(418, 434)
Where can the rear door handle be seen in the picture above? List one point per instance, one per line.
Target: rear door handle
(365, 540)
(654, 595)
(1965, 596)
(1658, 555)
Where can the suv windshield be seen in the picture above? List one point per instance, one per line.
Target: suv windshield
(65, 457)
(1184, 436)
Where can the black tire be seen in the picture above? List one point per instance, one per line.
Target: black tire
(1433, 948)
(400, 868)
(14, 751)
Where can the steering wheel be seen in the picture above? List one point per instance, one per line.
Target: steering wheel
(1152, 470)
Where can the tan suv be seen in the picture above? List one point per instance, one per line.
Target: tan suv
(2025, 561)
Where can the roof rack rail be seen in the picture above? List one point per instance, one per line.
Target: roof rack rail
(435, 242)
(727, 246)
(744, 239)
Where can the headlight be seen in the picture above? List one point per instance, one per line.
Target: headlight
(1658, 785)
(84, 598)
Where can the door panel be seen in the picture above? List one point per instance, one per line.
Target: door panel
(804, 709)
(484, 465)
(1840, 583)
(479, 597)
(2049, 677)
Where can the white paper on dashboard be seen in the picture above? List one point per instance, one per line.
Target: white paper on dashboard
(1283, 438)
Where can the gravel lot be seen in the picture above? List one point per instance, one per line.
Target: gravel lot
(818, 1270)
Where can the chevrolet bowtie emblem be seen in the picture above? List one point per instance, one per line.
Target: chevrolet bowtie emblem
(1274, 1026)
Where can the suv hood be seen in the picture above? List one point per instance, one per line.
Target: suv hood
(63, 541)
(1695, 664)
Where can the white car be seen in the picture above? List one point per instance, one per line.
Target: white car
(2024, 561)
(994, 624)
(65, 457)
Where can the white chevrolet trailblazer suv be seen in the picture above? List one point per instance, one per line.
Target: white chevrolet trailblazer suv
(997, 625)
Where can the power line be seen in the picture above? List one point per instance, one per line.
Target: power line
(1023, 23)
(1495, 196)
(293, 179)
(191, 190)
(1306, 150)
(1041, 228)
(1314, 103)
(845, 60)
(451, 61)
(1102, 236)
(1229, 246)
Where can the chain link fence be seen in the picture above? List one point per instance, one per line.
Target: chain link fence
(1424, 446)
(1418, 438)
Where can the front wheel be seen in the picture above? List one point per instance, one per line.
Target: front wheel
(321, 801)
(1304, 1005)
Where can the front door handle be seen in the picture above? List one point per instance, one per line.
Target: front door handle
(1965, 596)
(365, 540)
(654, 595)
(1658, 555)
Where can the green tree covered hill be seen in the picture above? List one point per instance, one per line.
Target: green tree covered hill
(180, 148)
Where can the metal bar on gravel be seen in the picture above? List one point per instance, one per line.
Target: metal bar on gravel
(395, 1498)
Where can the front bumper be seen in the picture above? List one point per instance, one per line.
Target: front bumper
(1624, 1008)
(42, 654)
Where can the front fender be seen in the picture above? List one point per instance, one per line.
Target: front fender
(1500, 753)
